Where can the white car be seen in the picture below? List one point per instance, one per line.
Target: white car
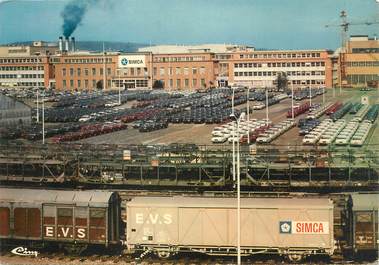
(218, 139)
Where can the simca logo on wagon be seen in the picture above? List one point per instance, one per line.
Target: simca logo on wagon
(21, 251)
(303, 227)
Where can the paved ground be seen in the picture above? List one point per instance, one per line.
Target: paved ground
(201, 133)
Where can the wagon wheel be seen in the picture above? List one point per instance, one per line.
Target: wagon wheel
(73, 249)
(295, 258)
(163, 254)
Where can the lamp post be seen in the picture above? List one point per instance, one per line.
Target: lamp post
(292, 110)
(248, 115)
(266, 106)
(37, 88)
(238, 177)
(43, 118)
(233, 143)
(310, 93)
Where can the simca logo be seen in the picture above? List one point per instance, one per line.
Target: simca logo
(285, 227)
(21, 251)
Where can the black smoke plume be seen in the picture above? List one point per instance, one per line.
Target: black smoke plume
(73, 14)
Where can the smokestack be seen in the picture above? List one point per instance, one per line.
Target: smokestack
(73, 44)
(60, 43)
(66, 48)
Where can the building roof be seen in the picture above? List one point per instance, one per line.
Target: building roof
(79, 198)
(196, 202)
(214, 48)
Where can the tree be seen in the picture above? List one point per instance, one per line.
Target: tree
(158, 84)
(281, 81)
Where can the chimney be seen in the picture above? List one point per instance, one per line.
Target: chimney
(73, 44)
(60, 43)
(66, 48)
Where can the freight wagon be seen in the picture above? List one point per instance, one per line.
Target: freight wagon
(293, 227)
(72, 220)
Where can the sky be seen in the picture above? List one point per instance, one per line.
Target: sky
(267, 24)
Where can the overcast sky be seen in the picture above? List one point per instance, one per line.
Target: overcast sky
(273, 24)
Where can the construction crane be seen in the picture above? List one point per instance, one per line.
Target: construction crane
(344, 25)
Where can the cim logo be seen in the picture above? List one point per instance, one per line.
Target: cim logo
(303, 227)
(153, 218)
(124, 61)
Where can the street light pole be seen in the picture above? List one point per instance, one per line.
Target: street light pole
(233, 143)
(323, 95)
(248, 115)
(37, 90)
(292, 110)
(266, 106)
(119, 88)
(310, 93)
(43, 118)
(242, 116)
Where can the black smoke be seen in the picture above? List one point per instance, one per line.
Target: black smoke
(73, 14)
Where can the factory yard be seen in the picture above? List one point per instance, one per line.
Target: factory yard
(201, 133)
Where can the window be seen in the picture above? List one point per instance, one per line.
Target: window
(71, 71)
(194, 70)
(186, 83)
(79, 71)
(79, 83)
(101, 71)
(93, 83)
(64, 83)
(177, 71)
(131, 71)
(194, 83)
(86, 83)
(71, 83)
(63, 71)
(108, 71)
(93, 71)
(202, 82)
(185, 71)
(86, 71)
(202, 70)
(138, 71)
(178, 83)
(161, 71)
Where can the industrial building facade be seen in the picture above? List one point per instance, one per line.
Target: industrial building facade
(183, 67)
(361, 62)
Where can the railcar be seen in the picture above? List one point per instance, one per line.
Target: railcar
(72, 220)
(293, 227)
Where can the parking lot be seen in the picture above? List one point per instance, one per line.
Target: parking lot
(201, 133)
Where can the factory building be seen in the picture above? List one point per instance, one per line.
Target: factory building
(26, 65)
(361, 62)
(261, 68)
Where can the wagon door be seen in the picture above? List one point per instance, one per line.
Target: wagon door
(27, 222)
(365, 230)
(4, 224)
(97, 225)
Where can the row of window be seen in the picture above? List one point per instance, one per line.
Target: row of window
(21, 60)
(10, 76)
(86, 71)
(80, 84)
(30, 84)
(20, 68)
(293, 73)
(178, 70)
(363, 64)
(293, 64)
(179, 59)
(179, 83)
(361, 79)
(88, 60)
(365, 50)
(281, 55)
(307, 82)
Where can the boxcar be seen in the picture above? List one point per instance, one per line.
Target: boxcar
(74, 219)
(294, 227)
(365, 223)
